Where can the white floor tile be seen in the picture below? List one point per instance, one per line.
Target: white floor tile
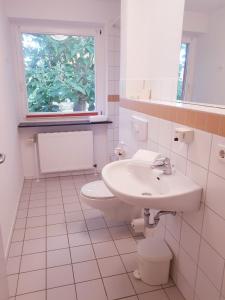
(111, 266)
(64, 292)
(174, 294)
(55, 219)
(130, 261)
(120, 232)
(13, 265)
(57, 242)
(58, 258)
(56, 229)
(105, 249)
(74, 216)
(16, 249)
(100, 235)
(118, 286)
(82, 253)
(34, 246)
(36, 221)
(96, 223)
(35, 212)
(156, 295)
(53, 210)
(20, 224)
(18, 235)
(35, 233)
(86, 271)
(126, 245)
(79, 239)
(92, 213)
(141, 287)
(37, 203)
(69, 207)
(33, 296)
(12, 283)
(31, 281)
(59, 276)
(93, 290)
(33, 262)
(76, 227)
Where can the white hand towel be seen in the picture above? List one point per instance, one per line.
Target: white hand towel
(146, 155)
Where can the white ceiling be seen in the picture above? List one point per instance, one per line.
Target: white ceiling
(205, 6)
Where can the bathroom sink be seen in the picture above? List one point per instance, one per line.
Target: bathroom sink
(136, 183)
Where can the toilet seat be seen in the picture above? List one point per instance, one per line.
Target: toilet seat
(96, 195)
(96, 190)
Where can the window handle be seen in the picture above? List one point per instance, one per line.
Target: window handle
(2, 158)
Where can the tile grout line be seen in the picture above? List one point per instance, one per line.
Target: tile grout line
(68, 243)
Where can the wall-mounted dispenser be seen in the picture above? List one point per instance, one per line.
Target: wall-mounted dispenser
(140, 128)
(184, 135)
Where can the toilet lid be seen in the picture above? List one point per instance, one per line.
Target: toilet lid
(96, 189)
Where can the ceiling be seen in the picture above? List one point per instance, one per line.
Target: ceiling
(204, 6)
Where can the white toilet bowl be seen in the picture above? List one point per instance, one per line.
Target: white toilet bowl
(96, 195)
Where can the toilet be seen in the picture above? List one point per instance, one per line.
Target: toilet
(96, 195)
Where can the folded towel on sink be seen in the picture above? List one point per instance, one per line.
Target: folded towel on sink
(146, 155)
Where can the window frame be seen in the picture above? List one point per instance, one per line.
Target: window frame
(65, 29)
(190, 65)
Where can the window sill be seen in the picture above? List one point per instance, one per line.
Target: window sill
(61, 115)
(30, 124)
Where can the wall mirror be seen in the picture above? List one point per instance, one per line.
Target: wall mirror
(202, 54)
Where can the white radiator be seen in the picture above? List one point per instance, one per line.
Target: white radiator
(65, 151)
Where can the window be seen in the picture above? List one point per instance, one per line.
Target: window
(182, 71)
(63, 71)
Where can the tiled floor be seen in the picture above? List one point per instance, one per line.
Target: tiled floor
(62, 249)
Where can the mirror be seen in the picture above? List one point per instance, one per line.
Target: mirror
(202, 54)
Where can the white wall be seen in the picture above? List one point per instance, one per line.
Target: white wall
(11, 174)
(196, 239)
(195, 22)
(150, 43)
(209, 73)
(90, 11)
(97, 11)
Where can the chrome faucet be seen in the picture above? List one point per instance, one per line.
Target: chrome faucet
(164, 164)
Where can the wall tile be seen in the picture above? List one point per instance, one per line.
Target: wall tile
(173, 224)
(190, 241)
(179, 162)
(198, 175)
(215, 194)
(176, 146)
(195, 219)
(184, 287)
(214, 231)
(211, 263)
(199, 149)
(223, 287)
(216, 165)
(165, 133)
(204, 288)
(187, 267)
(153, 129)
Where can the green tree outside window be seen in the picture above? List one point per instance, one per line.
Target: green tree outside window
(58, 68)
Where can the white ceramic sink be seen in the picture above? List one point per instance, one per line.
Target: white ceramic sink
(136, 183)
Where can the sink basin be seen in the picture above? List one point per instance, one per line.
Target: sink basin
(136, 183)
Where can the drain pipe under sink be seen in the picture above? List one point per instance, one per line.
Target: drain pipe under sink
(156, 218)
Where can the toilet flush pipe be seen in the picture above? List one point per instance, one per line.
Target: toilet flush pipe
(156, 217)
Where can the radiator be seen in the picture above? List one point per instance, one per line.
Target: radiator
(65, 151)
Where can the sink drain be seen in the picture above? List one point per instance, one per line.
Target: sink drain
(146, 194)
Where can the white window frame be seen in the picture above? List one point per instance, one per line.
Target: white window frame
(62, 29)
(191, 41)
